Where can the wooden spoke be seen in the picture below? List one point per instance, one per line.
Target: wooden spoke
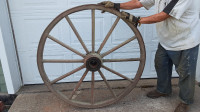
(76, 33)
(67, 74)
(93, 31)
(92, 88)
(117, 73)
(79, 83)
(106, 82)
(62, 61)
(108, 35)
(117, 47)
(66, 46)
(121, 60)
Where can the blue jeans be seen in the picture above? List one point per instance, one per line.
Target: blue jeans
(185, 63)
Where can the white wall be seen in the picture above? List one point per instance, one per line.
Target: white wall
(7, 52)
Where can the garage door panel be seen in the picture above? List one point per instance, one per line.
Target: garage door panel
(152, 72)
(58, 32)
(63, 54)
(27, 5)
(73, 3)
(150, 35)
(54, 69)
(51, 48)
(110, 76)
(143, 31)
(149, 71)
(62, 33)
(148, 32)
(125, 67)
(19, 28)
(83, 26)
(29, 70)
(121, 33)
(33, 29)
(40, 2)
(28, 32)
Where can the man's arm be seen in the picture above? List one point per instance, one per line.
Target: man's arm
(154, 18)
(133, 4)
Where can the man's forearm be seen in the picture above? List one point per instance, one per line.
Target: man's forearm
(133, 4)
(154, 18)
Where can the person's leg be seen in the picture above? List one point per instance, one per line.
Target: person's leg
(163, 66)
(185, 63)
(187, 72)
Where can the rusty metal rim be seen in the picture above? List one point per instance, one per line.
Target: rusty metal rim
(51, 26)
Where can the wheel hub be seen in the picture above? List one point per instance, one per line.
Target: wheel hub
(93, 62)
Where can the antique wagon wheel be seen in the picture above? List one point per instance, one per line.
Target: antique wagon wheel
(92, 61)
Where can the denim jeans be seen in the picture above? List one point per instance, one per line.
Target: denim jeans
(185, 64)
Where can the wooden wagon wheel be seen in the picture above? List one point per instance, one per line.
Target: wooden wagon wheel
(92, 61)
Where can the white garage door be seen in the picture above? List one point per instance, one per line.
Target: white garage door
(30, 18)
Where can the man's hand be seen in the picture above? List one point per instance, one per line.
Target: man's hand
(131, 18)
(109, 4)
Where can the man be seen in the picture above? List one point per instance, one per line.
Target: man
(177, 24)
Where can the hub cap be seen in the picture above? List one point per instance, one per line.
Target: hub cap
(93, 62)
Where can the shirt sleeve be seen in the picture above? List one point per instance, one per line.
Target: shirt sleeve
(176, 8)
(147, 4)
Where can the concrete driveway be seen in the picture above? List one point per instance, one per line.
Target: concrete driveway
(37, 98)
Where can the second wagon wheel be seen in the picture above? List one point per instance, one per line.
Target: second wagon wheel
(98, 89)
